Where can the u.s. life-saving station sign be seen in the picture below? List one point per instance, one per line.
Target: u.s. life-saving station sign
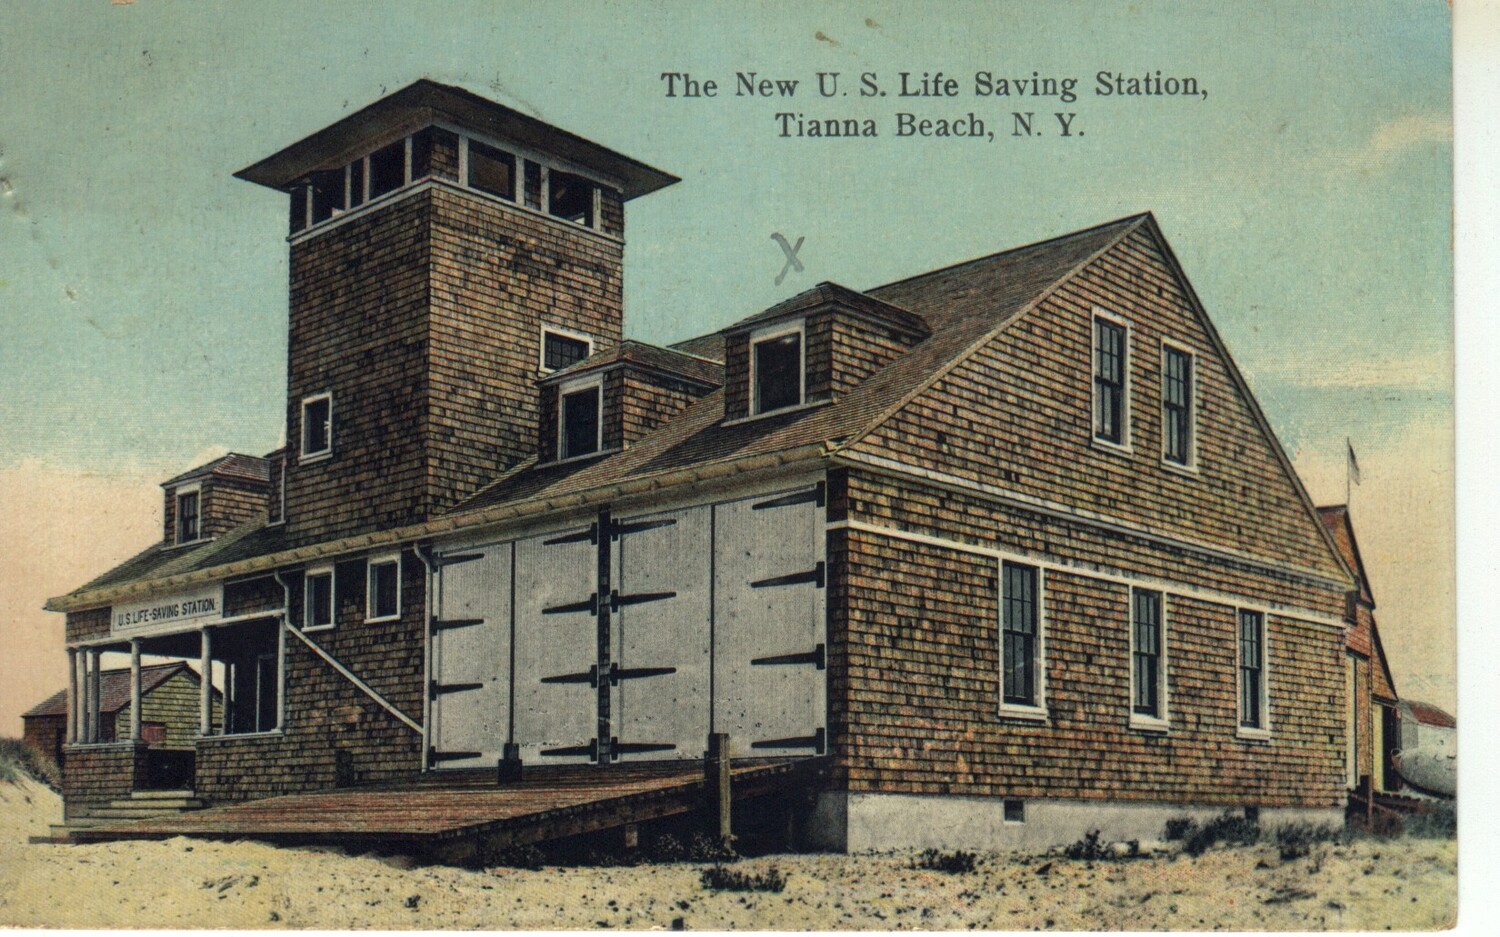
(168, 612)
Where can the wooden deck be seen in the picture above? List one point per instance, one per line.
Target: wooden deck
(450, 816)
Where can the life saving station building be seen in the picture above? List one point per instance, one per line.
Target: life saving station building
(1007, 550)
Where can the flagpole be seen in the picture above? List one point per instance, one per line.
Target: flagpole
(1348, 474)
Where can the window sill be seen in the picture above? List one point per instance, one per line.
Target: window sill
(381, 619)
(189, 543)
(314, 629)
(1117, 448)
(597, 453)
(1190, 470)
(1250, 734)
(780, 411)
(1018, 711)
(1151, 724)
(313, 457)
(239, 736)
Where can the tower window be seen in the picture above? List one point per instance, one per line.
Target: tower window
(492, 170)
(571, 198)
(317, 425)
(579, 431)
(188, 513)
(327, 194)
(388, 168)
(776, 369)
(560, 349)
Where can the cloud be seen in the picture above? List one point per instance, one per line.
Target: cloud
(1414, 130)
(1432, 371)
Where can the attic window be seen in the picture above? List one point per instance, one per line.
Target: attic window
(571, 198)
(1177, 406)
(188, 514)
(777, 371)
(562, 349)
(579, 432)
(1111, 382)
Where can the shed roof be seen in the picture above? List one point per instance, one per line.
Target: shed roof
(114, 689)
(425, 101)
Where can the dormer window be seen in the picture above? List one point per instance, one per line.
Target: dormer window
(579, 429)
(189, 513)
(777, 368)
(562, 349)
(317, 426)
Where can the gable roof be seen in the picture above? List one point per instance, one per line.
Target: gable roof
(964, 306)
(1363, 634)
(114, 689)
(648, 357)
(832, 294)
(1336, 518)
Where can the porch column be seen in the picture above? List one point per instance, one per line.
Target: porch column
(96, 657)
(206, 684)
(73, 706)
(135, 689)
(81, 701)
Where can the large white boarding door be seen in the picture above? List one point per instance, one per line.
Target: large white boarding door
(470, 657)
(769, 628)
(659, 630)
(557, 647)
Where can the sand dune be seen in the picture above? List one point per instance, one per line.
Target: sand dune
(180, 883)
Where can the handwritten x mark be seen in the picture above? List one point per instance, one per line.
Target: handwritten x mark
(790, 250)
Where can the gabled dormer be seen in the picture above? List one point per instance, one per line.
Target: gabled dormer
(609, 400)
(215, 498)
(811, 349)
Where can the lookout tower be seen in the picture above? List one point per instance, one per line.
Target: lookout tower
(446, 253)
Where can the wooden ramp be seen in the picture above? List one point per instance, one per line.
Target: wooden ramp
(452, 819)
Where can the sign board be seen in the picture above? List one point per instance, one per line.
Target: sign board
(183, 608)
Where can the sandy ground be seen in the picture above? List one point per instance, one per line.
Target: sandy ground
(1368, 885)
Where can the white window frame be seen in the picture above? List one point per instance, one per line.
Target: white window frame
(1124, 445)
(319, 455)
(370, 564)
(1037, 710)
(594, 382)
(1263, 731)
(541, 346)
(177, 494)
(333, 601)
(770, 333)
(1191, 466)
(1162, 721)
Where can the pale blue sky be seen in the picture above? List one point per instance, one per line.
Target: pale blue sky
(143, 289)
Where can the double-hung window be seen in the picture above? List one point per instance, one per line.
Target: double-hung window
(317, 598)
(1252, 654)
(1177, 406)
(383, 589)
(777, 368)
(1020, 638)
(189, 512)
(1111, 361)
(1148, 673)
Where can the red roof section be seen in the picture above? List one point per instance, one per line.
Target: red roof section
(114, 689)
(1430, 715)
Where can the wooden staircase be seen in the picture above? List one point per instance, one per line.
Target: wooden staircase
(140, 805)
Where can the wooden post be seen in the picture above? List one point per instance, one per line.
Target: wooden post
(96, 657)
(205, 683)
(73, 706)
(135, 689)
(716, 769)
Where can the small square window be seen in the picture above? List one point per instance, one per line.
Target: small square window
(188, 515)
(388, 169)
(384, 598)
(1015, 811)
(776, 368)
(560, 350)
(317, 598)
(578, 422)
(492, 170)
(317, 425)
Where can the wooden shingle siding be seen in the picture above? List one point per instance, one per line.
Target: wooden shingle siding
(173, 703)
(358, 327)
(87, 625)
(915, 692)
(252, 595)
(736, 375)
(1018, 414)
(325, 713)
(227, 503)
(96, 774)
(646, 400)
(497, 276)
(859, 346)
